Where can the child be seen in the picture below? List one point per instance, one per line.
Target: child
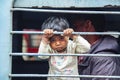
(60, 44)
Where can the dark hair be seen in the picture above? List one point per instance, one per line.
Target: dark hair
(55, 23)
(98, 20)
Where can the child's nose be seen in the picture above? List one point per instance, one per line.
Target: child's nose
(57, 42)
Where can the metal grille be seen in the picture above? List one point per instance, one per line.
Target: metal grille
(45, 75)
(81, 33)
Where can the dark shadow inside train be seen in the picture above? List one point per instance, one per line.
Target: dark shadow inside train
(33, 20)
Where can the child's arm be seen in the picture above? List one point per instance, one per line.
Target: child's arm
(44, 45)
(82, 45)
(42, 50)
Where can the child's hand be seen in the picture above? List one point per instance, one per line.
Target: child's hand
(68, 32)
(47, 34)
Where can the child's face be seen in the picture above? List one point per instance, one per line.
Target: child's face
(58, 43)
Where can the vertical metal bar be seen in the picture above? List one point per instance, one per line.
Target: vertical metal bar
(10, 57)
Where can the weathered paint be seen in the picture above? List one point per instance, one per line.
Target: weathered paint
(65, 3)
(5, 27)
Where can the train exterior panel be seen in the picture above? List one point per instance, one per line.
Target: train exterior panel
(7, 25)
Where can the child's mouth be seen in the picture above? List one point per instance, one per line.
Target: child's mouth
(60, 49)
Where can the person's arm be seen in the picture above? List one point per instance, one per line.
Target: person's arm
(105, 66)
(43, 49)
(44, 45)
(82, 45)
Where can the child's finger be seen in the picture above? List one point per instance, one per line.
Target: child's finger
(51, 31)
(45, 31)
(68, 31)
(48, 31)
(65, 32)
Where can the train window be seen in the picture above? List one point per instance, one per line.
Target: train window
(28, 15)
(32, 21)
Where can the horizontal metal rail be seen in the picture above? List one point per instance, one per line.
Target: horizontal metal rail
(73, 76)
(68, 54)
(65, 11)
(82, 33)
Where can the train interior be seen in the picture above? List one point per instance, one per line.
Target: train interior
(32, 21)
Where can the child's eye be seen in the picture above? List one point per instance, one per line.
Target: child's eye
(61, 38)
(52, 40)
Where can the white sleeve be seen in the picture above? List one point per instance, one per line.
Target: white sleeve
(82, 45)
(43, 49)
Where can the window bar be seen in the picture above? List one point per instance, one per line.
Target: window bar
(69, 54)
(82, 33)
(46, 75)
(65, 11)
(72, 76)
(11, 36)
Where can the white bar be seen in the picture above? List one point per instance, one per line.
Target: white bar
(65, 11)
(73, 76)
(11, 38)
(82, 33)
(69, 54)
